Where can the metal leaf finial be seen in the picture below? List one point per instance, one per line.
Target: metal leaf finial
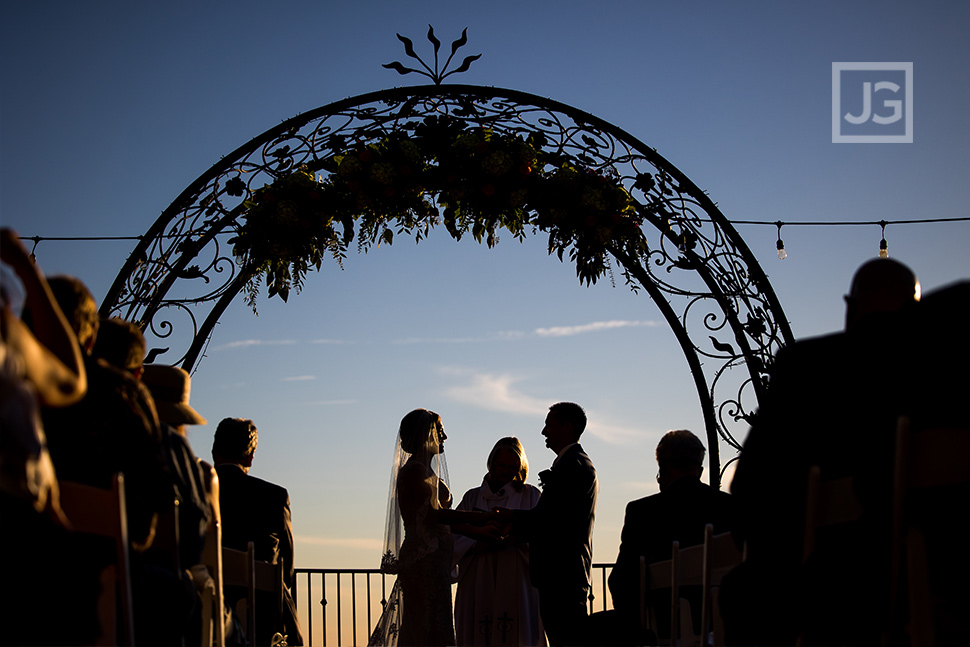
(437, 74)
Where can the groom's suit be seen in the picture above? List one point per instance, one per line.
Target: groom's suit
(560, 531)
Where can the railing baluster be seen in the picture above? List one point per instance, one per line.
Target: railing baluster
(339, 619)
(369, 621)
(309, 595)
(604, 589)
(353, 605)
(323, 603)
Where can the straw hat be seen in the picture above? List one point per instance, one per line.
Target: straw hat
(170, 386)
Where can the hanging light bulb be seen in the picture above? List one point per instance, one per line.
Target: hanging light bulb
(782, 254)
(883, 245)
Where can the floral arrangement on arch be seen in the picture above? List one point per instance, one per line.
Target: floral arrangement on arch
(469, 179)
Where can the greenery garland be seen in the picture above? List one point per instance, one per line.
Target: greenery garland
(469, 179)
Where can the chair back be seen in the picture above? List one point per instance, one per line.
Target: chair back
(827, 503)
(166, 541)
(704, 566)
(928, 461)
(721, 555)
(242, 569)
(213, 600)
(100, 512)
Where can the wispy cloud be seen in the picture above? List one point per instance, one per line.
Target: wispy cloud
(361, 543)
(498, 392)
(247, 343)
(517, 335)
(498, 336)
(613, 434)
(299, 378)
(596, 326)
(507, 335)
(493, 392)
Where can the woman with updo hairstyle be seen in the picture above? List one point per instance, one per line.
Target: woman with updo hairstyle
(418, 543)
(493, 573)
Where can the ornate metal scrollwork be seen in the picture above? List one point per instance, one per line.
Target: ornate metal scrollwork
(697, 268)
(437, 75)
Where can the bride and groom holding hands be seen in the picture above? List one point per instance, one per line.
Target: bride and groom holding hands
(523, 559)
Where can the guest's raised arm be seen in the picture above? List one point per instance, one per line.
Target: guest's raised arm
(52, 356)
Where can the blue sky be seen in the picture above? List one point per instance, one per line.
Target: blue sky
(110, 109)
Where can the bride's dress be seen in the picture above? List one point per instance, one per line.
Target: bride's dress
(419, 608)
(425, 576)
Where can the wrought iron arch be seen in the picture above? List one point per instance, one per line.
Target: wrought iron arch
(698, 270)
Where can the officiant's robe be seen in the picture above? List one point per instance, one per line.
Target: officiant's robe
(496, 603)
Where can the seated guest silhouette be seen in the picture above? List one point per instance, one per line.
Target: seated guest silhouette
(832, 401)
(166, 608)
(39, 367)
(679, 512)
(254, 510)
(114, 428)
(170, 387)
(939, 391)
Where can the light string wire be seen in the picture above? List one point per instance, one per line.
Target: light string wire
(882, 224)
(782, 253)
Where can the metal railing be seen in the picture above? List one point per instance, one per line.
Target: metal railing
(341, 606)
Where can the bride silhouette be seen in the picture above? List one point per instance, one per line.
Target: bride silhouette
(418, 543)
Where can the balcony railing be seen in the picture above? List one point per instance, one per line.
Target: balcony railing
(341, 606)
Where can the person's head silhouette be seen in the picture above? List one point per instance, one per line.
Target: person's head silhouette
(879, 286)
(121, 343)
(235, 442)
(679, 453)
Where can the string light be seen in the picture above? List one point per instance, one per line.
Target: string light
(782, 254)
(780, 245)
(883, 244)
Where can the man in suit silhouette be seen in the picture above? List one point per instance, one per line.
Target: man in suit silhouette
(560, 529)
(833, 401)
(254, 510)
(680, 511)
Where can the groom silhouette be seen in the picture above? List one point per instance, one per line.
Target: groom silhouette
(560, 529)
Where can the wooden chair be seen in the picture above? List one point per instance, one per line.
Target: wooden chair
(654, 577)
(213, 600)
(242, 569)
(166, 540)
(928, 461)
(705, 566)
(827, 503)
(721, 555)
(165, 546)
(100, 512)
